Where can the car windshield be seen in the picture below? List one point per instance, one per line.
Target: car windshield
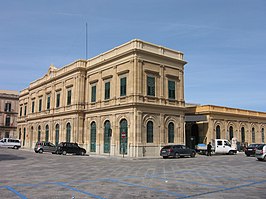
(260, 146)
(253, 145)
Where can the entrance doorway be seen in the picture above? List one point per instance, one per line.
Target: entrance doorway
(192, 134)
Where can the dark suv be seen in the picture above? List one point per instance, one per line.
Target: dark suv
(69, 147)
(177, 151)
(251, 149)
(43, 146)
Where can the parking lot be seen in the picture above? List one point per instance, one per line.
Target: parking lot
(25, 174)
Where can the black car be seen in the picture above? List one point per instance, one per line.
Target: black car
(177, 151)
(69, 147)
(251, 149)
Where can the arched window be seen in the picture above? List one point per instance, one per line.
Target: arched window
(231, 133)
(107, 130)
(242, 134)
(39, 133)
(68, 132)
(171, 132)
(93, 137)
(150, 132)
(24, 136)
(19, 136)
(123, 140)
(57, 134)
(253, 135)
(262, 135)
(46, 133)
(218, 132)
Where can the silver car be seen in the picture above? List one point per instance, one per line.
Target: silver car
(261, 152)
(43, 146)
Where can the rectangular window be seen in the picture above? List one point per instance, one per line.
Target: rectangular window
(25, 110)
(40, 105)
(20, 111)
(8, 107)
(151, 86)
(262, 135)
(6, 134)
(57, 100)
(171, 89)
(32, 106)
(93, 93)
(69, 93)
(48, 102)
(7, 120)
(107, 91)
(123, 86)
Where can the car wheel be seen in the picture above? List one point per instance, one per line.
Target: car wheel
(193, 154)
(64, 153)
(231, 153)
(165, 157)
(82, 153)
(40, 151)
(247, 155)
(177, 155)
(260, 159)
(15, 147)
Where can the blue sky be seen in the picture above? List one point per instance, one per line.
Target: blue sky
(224, 41)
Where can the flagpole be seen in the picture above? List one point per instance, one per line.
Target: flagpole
(86, 40)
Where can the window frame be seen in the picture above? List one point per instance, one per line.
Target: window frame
(151, 89)
(123, 86)
(69, 96)
(48, 102)
(171, 92)
(93, 93)
(107, 90)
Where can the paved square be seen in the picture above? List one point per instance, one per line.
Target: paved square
(28, 175)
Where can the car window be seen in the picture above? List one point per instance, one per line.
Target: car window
(167, 147)
(51, 144)
(220, 143)
(227, 143)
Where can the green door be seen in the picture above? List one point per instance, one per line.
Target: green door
(106, 137)
(93, 137)
(56, 134)
(123, 136)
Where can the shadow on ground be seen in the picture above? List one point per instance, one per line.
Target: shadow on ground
(10, 157)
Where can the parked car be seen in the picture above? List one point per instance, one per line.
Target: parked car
(69, 147)
(43, 146)
(261, 152)
(251, 149)
(177, 151)
(10, 143)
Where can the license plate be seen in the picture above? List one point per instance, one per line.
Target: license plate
(250, 149)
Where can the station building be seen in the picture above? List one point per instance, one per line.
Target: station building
(8, 113)
(127, 101)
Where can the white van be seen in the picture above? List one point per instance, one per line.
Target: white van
(219, 146)
(10, 143)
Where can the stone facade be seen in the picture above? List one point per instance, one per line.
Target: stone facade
(8, 113)
(204, 123)
(127, 101)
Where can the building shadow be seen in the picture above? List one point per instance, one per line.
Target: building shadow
(4, 157)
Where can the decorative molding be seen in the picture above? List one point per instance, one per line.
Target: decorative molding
(122, 72)
(172, 77)
(107, 77)
(155, 73)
